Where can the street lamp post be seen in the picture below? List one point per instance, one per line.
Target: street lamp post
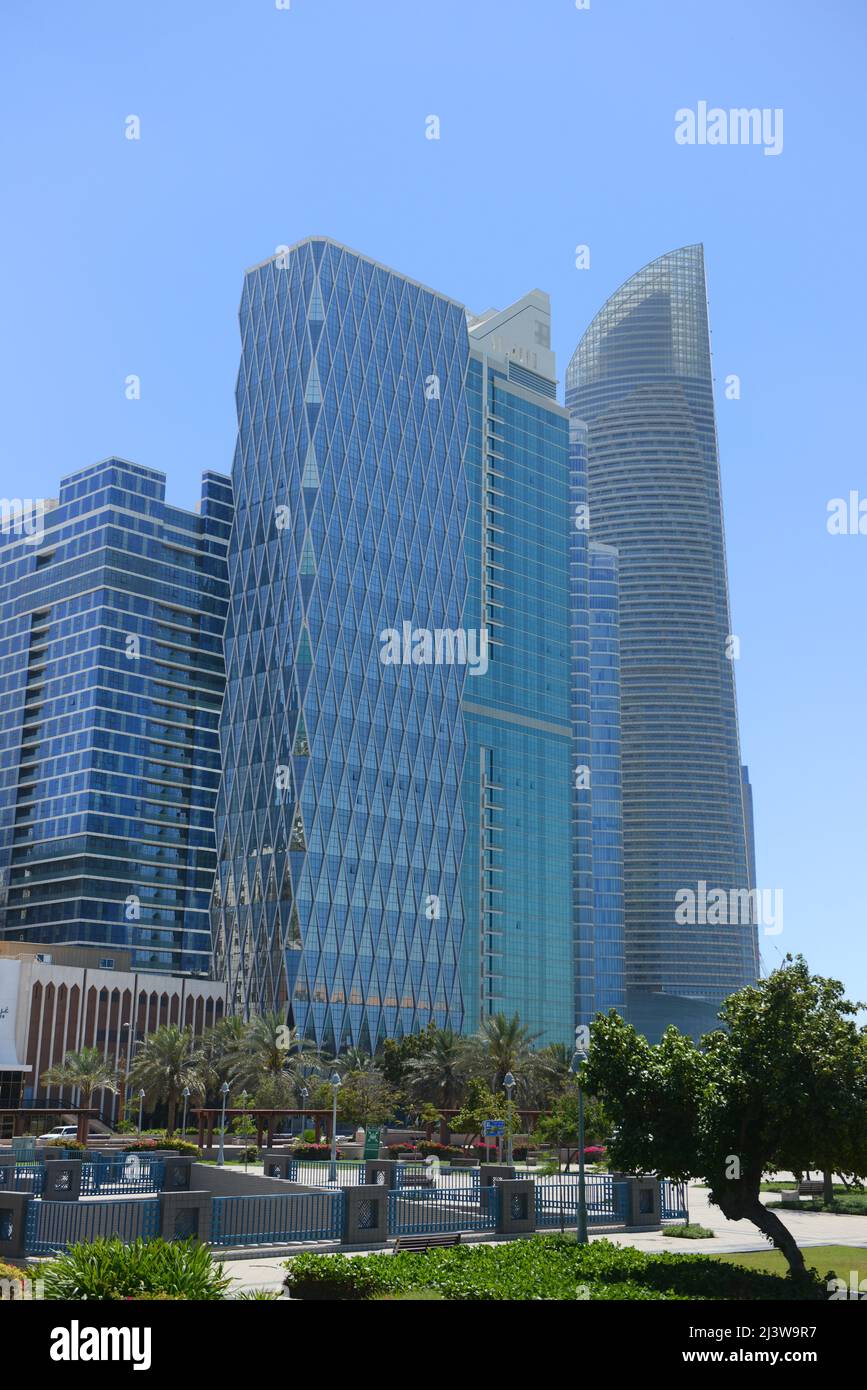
(221, 1157)
(575, 1068)
(141, 1096)
(186, 1095)
(509, 1084)
(304, 1095)
(335, 1084)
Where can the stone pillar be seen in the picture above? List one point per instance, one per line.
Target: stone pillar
(62, 1180)
(177, 1169)
(490, 1172)
(381, 1172)
(365, 1215)
(645, 1206)
(13, 1224)
(516, 1211)
(277, 1164)
(184, 1214)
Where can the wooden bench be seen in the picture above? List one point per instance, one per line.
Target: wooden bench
(417, 1180)
(812, 1188)
(419, 1244)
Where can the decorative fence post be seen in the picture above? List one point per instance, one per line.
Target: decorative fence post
(382, 1172)
(365, 1215)
(516, 1207)
(63, 1178)
(185, 1214)
(13, 1224)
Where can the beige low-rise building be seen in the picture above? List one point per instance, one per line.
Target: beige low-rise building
(60, 999)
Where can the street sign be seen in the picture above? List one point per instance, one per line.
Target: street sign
(582, 1037)
(494, 1127)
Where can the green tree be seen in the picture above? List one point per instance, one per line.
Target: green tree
(166, 1062)
(396, 1055)
(783, 1088)
(365, 1098)
(86, 1071)
(480, 1104)
(559, 1128)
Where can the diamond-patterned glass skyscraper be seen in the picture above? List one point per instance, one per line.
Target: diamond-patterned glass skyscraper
(339, 821)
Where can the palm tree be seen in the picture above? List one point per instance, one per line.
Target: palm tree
(86, 1071)
(439, 1075)
(507, 1046)
(216, 1052)
(550, 1071)
(355, 1059)
(166, 1063)
(269, 1053)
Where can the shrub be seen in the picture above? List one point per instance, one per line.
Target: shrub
(692, 1230)
(544, 1267)
(108, 1269)
(16, 1280)
(72, 1145)
(430, 1149)
(180, 1146)
(312, 1151)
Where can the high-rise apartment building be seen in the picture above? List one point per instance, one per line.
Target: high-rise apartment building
(112, 605)
(339, 823)
(520, 936)
(640, 384)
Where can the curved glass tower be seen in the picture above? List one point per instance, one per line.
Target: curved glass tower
(640, 381)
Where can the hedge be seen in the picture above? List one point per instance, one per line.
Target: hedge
(544, 1267)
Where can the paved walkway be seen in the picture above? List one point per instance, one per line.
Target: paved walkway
(809, 1228)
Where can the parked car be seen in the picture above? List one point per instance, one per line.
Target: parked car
(59, 1132)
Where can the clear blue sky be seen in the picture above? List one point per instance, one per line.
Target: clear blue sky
(261, 126)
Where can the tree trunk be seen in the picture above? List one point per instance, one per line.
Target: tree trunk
(750, 1207)
(170, 1117)
(828, 1185)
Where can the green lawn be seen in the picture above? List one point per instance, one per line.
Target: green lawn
(839, 1258)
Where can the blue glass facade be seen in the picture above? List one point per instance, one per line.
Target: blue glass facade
(339, 823)
(112, 679)
(520, 937)
(641, 383)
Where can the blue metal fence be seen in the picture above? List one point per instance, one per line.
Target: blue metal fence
(125, 1173)
(674, 1200)
(557, 1200)
(277, 1219)
(428, 1211)
(416, 1175)
(53, 1226)
(21, 1177)
(316, 1173)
